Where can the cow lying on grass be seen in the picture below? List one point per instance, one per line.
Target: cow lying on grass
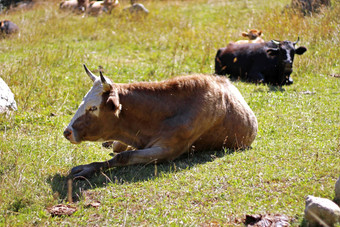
(75, 5)
(98, 7)
(270, 62)
(253, 36)
(162, 120)
(8, 27)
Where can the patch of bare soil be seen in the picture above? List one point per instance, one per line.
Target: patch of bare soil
(61, 210)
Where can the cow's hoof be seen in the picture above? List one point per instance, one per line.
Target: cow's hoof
(107, 144)
(83, 171)
(289, 81)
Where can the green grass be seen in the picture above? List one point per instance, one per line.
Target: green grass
(295, 154)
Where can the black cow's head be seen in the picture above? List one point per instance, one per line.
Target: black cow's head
(219, 69)
(285, 51)
(3, 25)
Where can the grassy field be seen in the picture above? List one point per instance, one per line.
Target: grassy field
(296, 152)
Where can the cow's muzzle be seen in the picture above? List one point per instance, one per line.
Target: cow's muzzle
(289, 80)
(288, 67)
(69, 135)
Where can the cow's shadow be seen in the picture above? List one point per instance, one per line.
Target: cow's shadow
(272, 88)
(130, 174)
(275, 88)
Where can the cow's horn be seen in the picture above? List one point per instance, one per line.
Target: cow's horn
(102, 78)
(106, 85)
(296, 40)
(90, 74)
(275, 42)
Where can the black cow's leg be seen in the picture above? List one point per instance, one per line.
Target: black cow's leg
(256, 77)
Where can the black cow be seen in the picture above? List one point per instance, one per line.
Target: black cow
(8, 27)
(270, 62)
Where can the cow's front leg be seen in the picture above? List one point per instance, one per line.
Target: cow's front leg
(125, 158)
(256, 77)
(88, 170)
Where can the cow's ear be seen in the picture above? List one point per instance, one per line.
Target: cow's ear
(260, 33)
(273, 52)
(244, 34)
(113, 103)
(300, 50)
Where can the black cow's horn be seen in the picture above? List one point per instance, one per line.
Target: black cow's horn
(275, 41)
(296, 40)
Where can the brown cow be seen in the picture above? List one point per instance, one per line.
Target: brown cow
(253, 35)
(70, 4)
(8, 27)
(74, 5)
(98, 7)
(162, 120)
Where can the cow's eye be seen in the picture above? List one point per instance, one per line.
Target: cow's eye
(93, 108)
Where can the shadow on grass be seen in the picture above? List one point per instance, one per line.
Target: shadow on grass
(273, 88)
(130, 174)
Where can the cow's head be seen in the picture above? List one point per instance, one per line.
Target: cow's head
(285, 52)
(83, 5)
(252, 34)
(108, 5)
(3, 25)
(99, 106)
(220, 69)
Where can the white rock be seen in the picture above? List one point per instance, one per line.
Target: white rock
(337, 191)
(137, 8)
(320, 211)
(7, 101)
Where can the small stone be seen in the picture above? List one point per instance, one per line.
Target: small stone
(137, 8)
(321, 211)
(337, 191)
(7, 102)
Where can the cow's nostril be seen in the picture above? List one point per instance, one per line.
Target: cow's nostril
(67, 133)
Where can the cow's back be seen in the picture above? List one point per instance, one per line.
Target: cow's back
(206, 111)
(236, 59)
(240, 60)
